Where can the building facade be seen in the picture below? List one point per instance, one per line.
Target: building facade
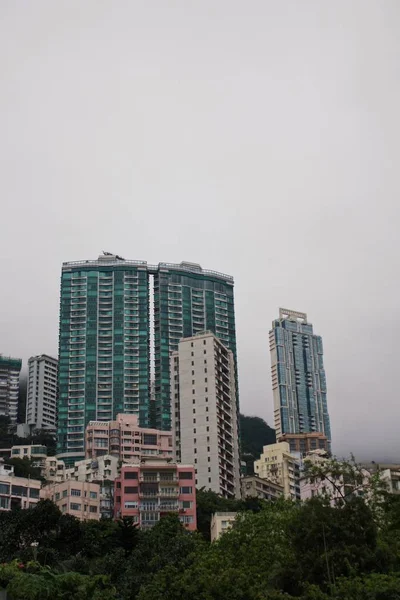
(126, 440)
(204, 411)
(41, 398)
(105, 341)
(303, 443)
(253, 486)
(77, 498)
(220, 523)
(298, 376)
(9, 387)
(104, 468)
(17, 492)
(153, 488)
(279, 466)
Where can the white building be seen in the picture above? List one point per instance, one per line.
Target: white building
(17, 492)
(221, 522)
(204, 412)
(103, 468)
(41, 400)
(9, 387)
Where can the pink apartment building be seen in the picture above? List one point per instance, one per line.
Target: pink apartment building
(153, 488)
(125, 439)
(78, 498)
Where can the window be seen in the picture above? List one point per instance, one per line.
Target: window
(205, 351)
(205, 361)
(194, 411)
(186, 475)
(194, 430)
(192, 361)
(4, 488)
(64, 508)
(192, 372)
(4, 502)
(150, 439)
(75, 492)
(194, 420)
(19, 490)
(193, 391)
(93, 495)
(209, 459)
(130, 490)
(206, 389)
(205, 370)
(57, 496)
(33, 493)
(131, 475)
(65, 493)
(194, 400)
(118, 485)
(186, 490)
(205, 379)
(93, 509)
(192, 355)
(206, 408)
(193, 382)
(206, 399)
(74, 506)
(130, 505)
(208, 429)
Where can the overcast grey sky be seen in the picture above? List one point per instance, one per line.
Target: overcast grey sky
(257, 138)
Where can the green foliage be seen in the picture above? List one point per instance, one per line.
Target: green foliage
(25, 467)
(255, 433)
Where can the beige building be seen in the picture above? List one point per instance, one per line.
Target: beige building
(17, 492)
(54, 469)
(279, 466)
(204, 412)
(253, 486)
(221, 522)
(77, 498)
(96, 469)
(124, 439)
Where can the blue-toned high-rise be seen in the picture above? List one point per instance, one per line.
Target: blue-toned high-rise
(298, 377)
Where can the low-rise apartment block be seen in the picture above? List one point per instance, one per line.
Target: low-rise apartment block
(77, 498)
(17, 492)
(220, 523)
(253, 486)
(53, 470)
(36, 453)
(126, 440)
(102, 468)
(278, 465)
(155, 487)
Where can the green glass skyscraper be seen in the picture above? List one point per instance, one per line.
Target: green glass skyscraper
(106, 343)
(187, 300)
(104, 352)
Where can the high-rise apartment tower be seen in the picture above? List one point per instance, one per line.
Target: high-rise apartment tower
(298, 376)
(204, 411)
(9, 387)
(105, 338)
(41, 397)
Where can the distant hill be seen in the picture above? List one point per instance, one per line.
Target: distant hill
(255, 433)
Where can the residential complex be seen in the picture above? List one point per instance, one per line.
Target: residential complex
(9, 387)
(220, 523)
(204, 410)
(17, 492)
(104, 342)
(126, 440)
(37, 453)
(298, 376)
(279, 466)
(154, 487)
(77, 498)
(41, 399)
(253, 486)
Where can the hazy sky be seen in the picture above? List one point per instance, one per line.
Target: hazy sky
(257, 138)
